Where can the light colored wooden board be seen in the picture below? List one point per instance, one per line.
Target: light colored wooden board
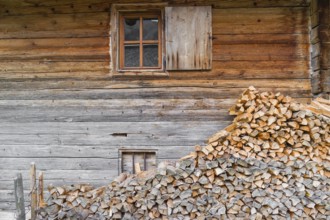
(60, 163)
(32, 67)
(114, 110)
(260, 52)
(56, 151)
(55, 49)
(109, 128)
(108, 134)
(55, 25)
(260, 21)
(194, 25)
(7, 215)
(169, 104)
(61, 175)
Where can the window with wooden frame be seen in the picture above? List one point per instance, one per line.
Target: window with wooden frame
(153, 39)
(140, 41)
(133, 160)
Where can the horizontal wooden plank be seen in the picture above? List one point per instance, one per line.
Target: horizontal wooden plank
(258, 52)
(111, 152)
(106, 110)
(31, 67)
(90, 70)
(116, 133)
(228, 39)
(8, 206)
(243, 3)
(61, 6)
(59, 163)
(55, 25)
(169, 104)
(289, 66)
(53, 7)
(56, 174)
(103, 73)
(260, 21)
(154, 84)
(7, 215)
(150, 93)
(69, 164)
(8, 184)
(55, 49)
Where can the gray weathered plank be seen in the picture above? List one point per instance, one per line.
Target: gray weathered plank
(56, 151)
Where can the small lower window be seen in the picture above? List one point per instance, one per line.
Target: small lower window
(133, 160)
(140, 41)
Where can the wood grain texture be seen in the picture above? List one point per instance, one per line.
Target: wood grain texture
(57, 94)
(188, 34)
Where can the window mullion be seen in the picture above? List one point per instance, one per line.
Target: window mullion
(160, 24)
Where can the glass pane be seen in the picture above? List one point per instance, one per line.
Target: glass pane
(132, 56)
(150, 29)
(132, 29)
(150, 55)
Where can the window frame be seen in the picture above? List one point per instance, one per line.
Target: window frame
(141, 42)
(133, 151)
(116, 9)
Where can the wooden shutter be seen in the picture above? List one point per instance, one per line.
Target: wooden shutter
(188, 35)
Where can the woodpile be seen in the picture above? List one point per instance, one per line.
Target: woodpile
(272, 162)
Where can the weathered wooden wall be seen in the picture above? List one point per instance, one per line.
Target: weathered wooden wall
(60, 108)
(320, 40)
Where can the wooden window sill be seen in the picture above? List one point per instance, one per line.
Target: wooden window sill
(137, 73)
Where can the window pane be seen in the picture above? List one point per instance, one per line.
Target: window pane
(132, 56)
(150, 29)
(132, 29)
(150, 55)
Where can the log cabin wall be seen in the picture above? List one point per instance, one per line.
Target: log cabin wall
(320, 40)
(60, 108)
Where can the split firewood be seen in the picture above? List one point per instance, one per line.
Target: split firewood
(272, 162)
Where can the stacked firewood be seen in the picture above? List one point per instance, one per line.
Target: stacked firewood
(272, 162)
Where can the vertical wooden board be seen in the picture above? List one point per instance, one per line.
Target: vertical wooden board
(188, 33)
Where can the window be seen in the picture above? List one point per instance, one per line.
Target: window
(140, 41)
(152, 39)
(131, 159)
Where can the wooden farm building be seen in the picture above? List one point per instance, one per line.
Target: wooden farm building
(90, 87)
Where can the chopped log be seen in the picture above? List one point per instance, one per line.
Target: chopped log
(41, 201)
(271, 162)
